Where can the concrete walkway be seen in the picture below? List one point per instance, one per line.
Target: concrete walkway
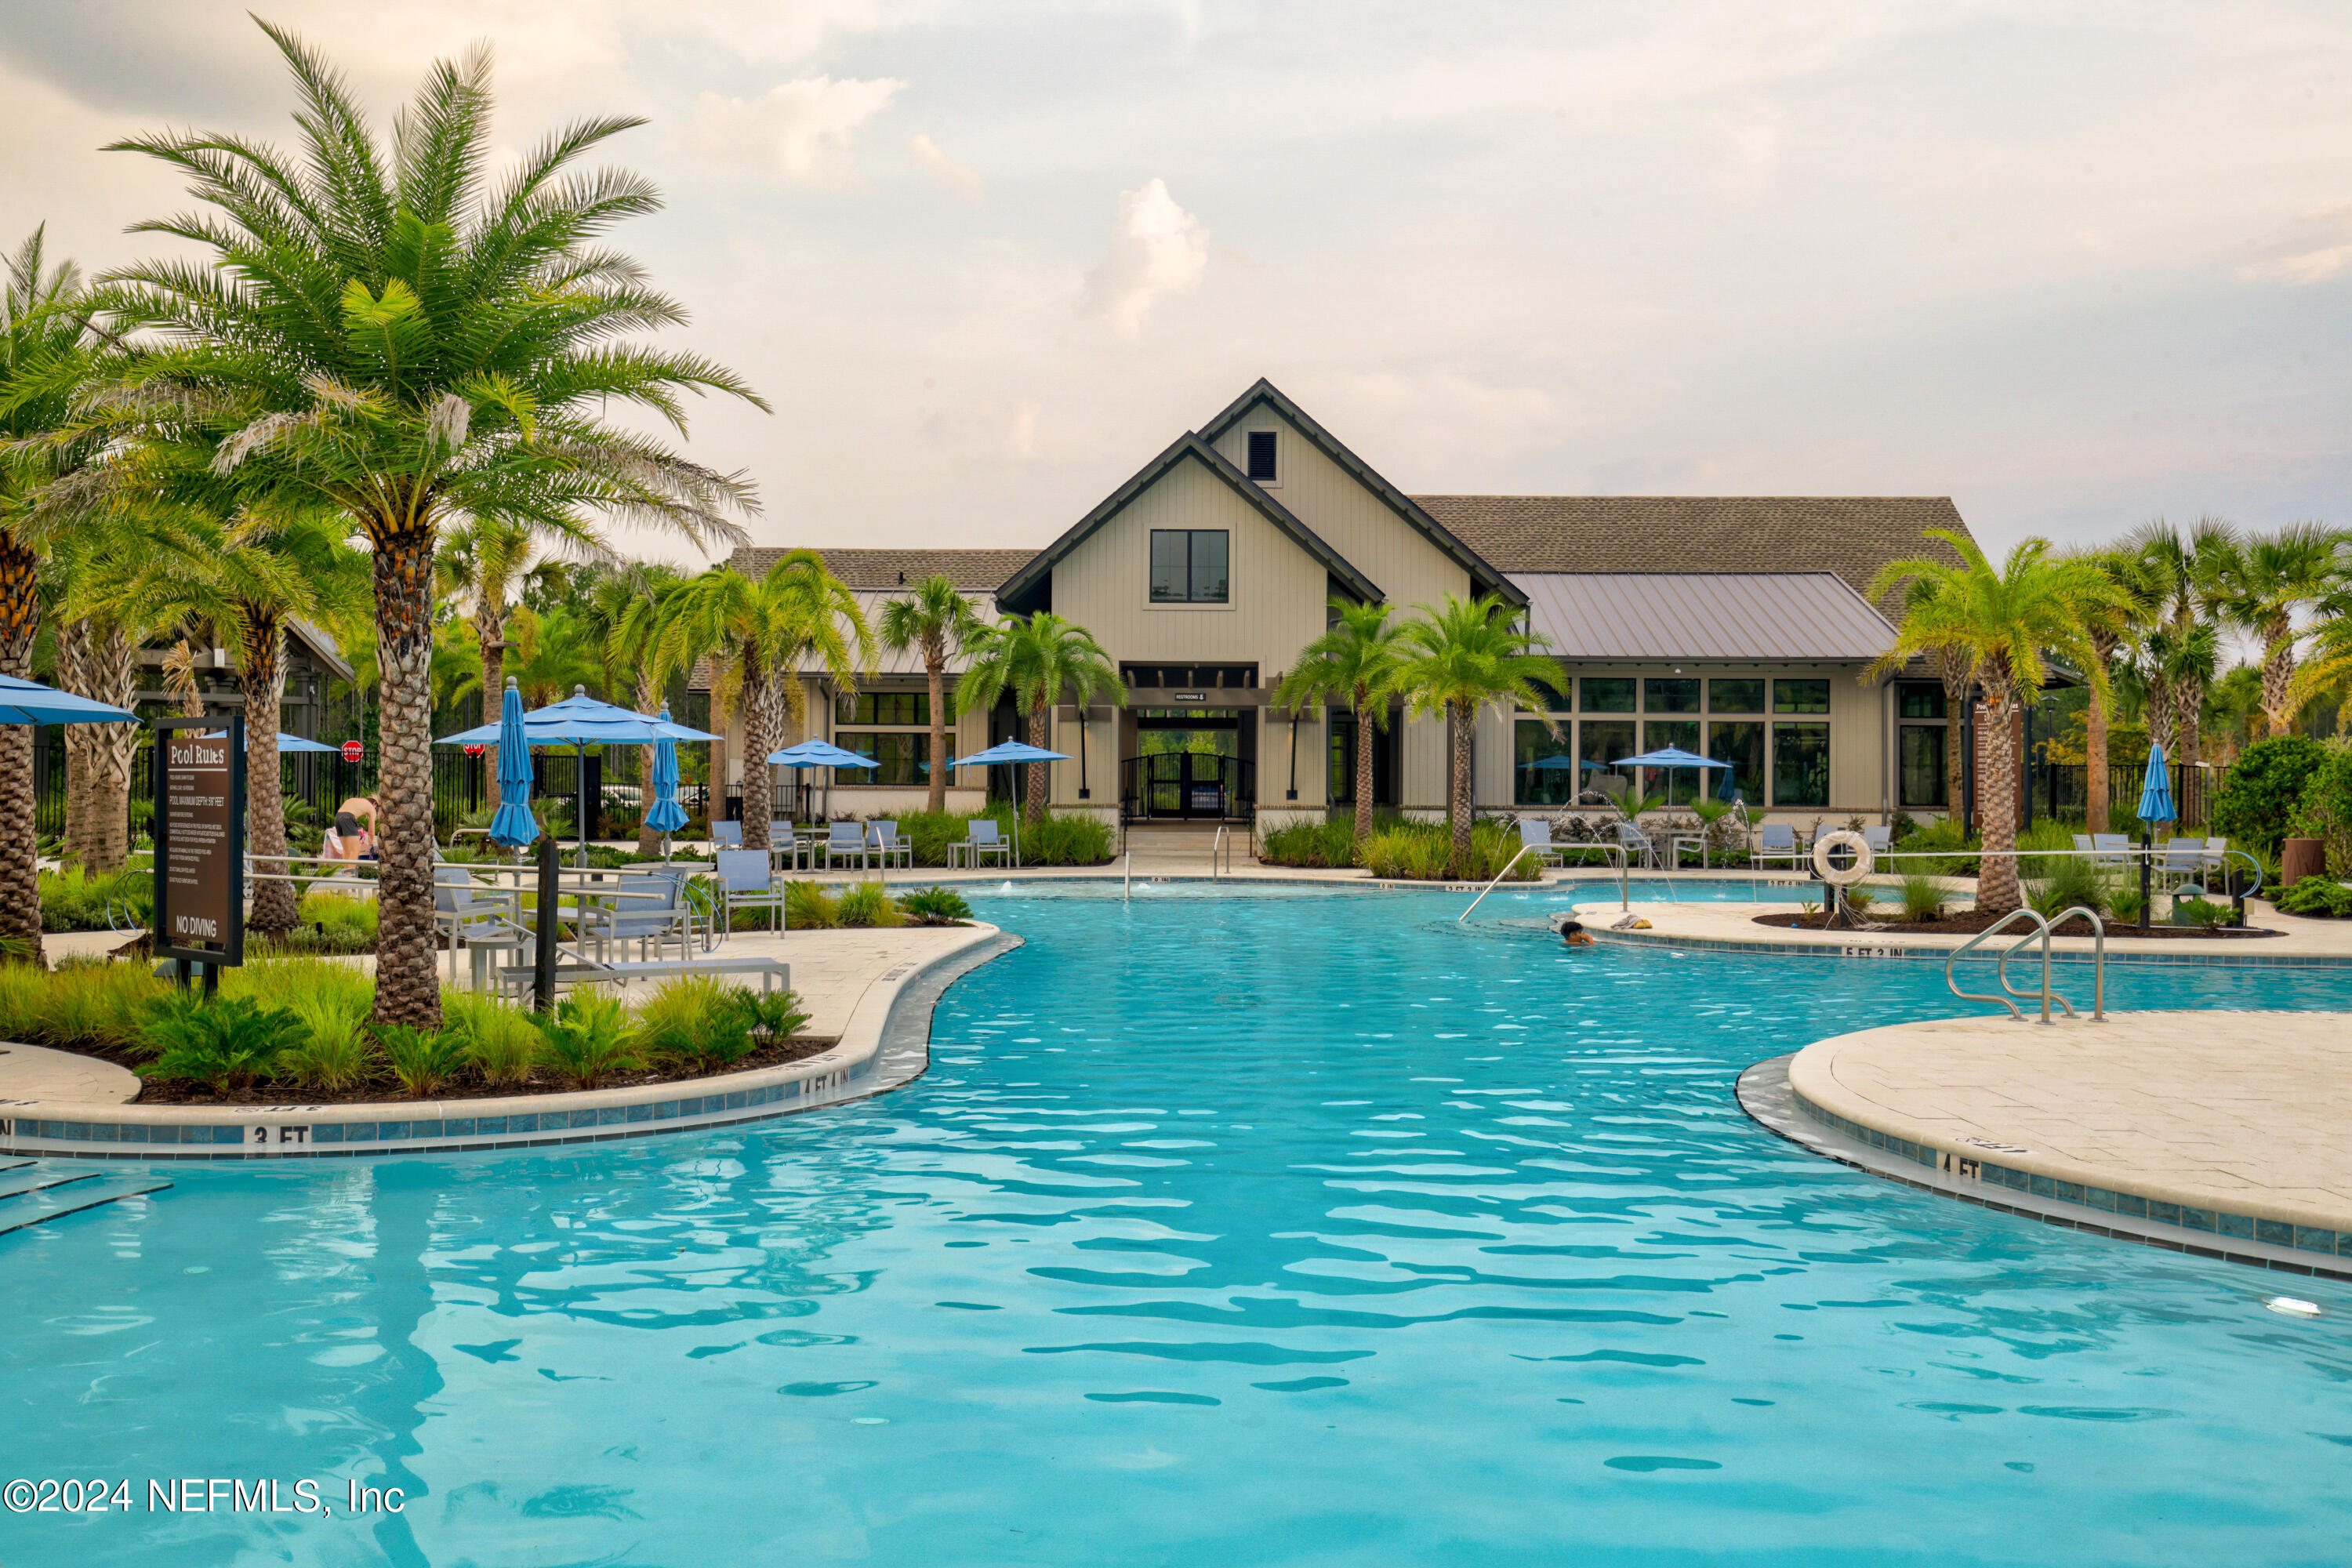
(2216, 1112)
(31, 1074)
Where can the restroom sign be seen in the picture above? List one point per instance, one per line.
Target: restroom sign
(200, 840)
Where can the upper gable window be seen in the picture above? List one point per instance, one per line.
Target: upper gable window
(1260, 457)
(1187, 565)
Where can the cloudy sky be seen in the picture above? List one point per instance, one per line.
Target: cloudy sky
(2074, 264)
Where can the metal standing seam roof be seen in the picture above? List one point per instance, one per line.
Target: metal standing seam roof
(1768, 617)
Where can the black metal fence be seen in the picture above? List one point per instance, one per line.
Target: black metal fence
(2063, 789)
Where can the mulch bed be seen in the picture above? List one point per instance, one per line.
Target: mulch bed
(1970, 922)
(466, 1086)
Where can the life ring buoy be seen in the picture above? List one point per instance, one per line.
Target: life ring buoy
(1828, 871)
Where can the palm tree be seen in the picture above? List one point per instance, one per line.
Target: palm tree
(1039, 658)
(1459, 657)
(2268, 579)
(938, 620)
(96, 655)
(47, 350)
(243, 578)
(2187, 577)
(766, 626)
(1358, 660)
(380, 330)
(624, 613)
(2110, 625)
(490, 561)
(2011, 620)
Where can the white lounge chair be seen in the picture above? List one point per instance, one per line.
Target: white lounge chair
(2183, 862)
(1880, 839)
(1775, 841)
(484, 922)
(883, 840)
(842, 840)
(1535, 833)
(727, 834)
(2111, 848)
(747, 880)
(980, 840)
(1636, 843)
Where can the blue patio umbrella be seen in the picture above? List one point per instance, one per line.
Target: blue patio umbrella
(1013, 752)
(2155, 806)
(819, 754)
(287, 743)
(666, 816)
(579, 722)
(514, 825)
(30, 703)
(1668, 757)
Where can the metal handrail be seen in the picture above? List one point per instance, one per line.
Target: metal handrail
(2000, 970)
(1216, 849)
(2046, 994)
(2098, 959)
(1127, 877)
(1524, 850)
(1986, 935)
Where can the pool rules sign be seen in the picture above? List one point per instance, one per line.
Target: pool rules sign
(200, 841)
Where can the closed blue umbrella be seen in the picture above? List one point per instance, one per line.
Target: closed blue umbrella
(514, 825)
(666, 816)
(579, 722)
(2155, 806)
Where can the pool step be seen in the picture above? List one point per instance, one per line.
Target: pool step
(41, 1180)
(36, 1203)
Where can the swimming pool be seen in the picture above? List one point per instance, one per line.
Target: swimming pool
(1259, 1229)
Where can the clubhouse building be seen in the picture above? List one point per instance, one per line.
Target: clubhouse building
(1735, 627)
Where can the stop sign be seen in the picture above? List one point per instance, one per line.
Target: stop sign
(473, 749)
(353, 750)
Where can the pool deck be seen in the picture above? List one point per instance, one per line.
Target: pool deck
(874, 990)
(1732, 927)
(2219, 1133)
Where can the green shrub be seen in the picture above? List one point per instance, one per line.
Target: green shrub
(2125, 905)
(1923, 897)
(1071, 840)
(332, 921)
(2202, 912)
(76, 900)
(423, 1060)
(935, 907)
(2069, 882)
(693, 1020)
(2325, 810)
(2261, 790)
(586, 1040)
(2315, 896)
(1423, 851)
(775, 1014)
(332, 1000)
(224, 1044)
(808, 907)
(1309, 844)
(867, 904)
(1860, 898)
(94, 1008)
(500, 1039)
(1947, 839)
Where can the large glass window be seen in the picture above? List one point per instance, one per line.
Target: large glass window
(882, 708)
(1919, 701)
(898, 755)
(1742, 696)
(1608, 693)
(1741, 743)
(1555, 697)
(1920, 758)
(1187, 565)
(1679, 786)
(1602, 741)
(1552, 784)
(1800, 697)
(1671, 694)
(1801, 762)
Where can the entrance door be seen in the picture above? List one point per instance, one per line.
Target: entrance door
(1189, 767)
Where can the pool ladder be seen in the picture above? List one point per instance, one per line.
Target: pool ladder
(22, 1203)
(2045, 995)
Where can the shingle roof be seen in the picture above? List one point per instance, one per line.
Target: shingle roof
(1852, 536)
(1759, 615)
(967, 569)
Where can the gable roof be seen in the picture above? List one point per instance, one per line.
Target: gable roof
(1854, 536)
(969, 569)
(1484, 576)
(1017, 589)
(1772, 616)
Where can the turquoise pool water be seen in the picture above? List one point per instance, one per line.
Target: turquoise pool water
(1253, 1230)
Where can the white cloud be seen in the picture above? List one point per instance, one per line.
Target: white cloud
(1157, 248)
(799, 131)
(950, 176)
(2318, 247)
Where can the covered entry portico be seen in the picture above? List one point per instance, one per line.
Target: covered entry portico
(1190, 742)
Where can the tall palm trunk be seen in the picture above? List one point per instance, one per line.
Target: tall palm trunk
(114, 681)
(1460, 731)
(261, 675)
(2096, 804)
(935, 664)
(1363, 765)
(2162, 714)
(407, 989)
(490, 635)
(20, 882)
(1037, 770)
(73, 662)
(759, 731)
(1998, 889)
(2278, 672)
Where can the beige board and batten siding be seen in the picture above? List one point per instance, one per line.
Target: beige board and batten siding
(1274, 605)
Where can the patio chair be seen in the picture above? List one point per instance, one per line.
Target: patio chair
(1636, 844)
(885, 840)
(727, 834)
(483, 922)
(2183, 862)
(645, 922)
(1535, 833)
(1775, 841)
(2215, 868)
(1881, 838)
(2082, 844)
(980, 840)
(2111, 848)
(844, 839)
(747, 880)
